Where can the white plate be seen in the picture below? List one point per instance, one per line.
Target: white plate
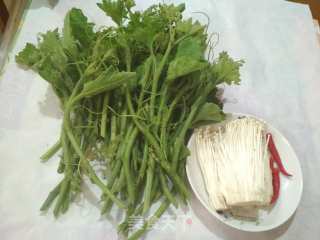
(290, 188)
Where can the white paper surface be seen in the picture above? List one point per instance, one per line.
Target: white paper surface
(279, 83)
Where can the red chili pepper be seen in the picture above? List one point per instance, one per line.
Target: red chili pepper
(276, 185)
(275, 181)
(274, 152)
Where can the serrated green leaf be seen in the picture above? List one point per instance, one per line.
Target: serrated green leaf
(49, 73)
(50, 47)
(184, 65)
(189, 27)
(209, 112)
(68, 40)
(171, 12)
(191, 47)
(50, 42)
(188, 59)
(29, 56)
(225, 69)
(77, 28)
(143, 28)
(52, 75)
(117, 10)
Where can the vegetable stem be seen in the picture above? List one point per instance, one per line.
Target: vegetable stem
(163, 207)
(147, 192)
(126, 165)
(104, 117)
(51, 151)
(86, 164)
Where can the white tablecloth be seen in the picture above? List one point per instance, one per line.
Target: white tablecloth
(280, 83)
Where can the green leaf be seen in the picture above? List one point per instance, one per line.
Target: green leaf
(191, 47)
(77, 28)
(188, 59)
(107, 82)
(188, 27)
(29, 56)
(209, 112)
(151, 27)
(226, 69)
(51, 47)
(184, 65)
(68, 40)
(49, 73)
(49, 60)
(171, 12)
(129, 4)
(54, 65)
(117, 10)
(143, 28)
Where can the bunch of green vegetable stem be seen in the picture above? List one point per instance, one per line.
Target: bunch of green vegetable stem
(131, 96)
